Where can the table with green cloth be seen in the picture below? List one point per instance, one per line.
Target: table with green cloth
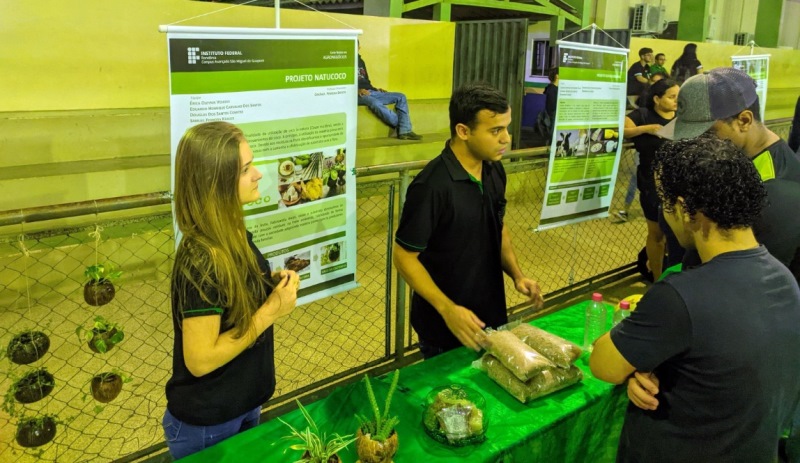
(577, 424)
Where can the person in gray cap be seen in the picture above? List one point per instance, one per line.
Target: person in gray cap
(724, 103)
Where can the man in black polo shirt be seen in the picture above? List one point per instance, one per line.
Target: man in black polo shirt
(639, 73)
(718, 341)
(451, 246)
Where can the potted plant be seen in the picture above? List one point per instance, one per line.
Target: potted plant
(36, 431)
(32, 387)
(317, 448)
(376, 439)
(106, 386)
(27, 347)
(102, 336)
(99, 290)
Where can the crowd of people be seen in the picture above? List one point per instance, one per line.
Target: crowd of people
(701, 355)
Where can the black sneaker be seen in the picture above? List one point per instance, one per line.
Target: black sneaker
(409, 136)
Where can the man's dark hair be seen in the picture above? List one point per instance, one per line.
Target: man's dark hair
(713, 177)
(644, 51)
(552, 74)
(754, 108)
(469, 99)
(660, 54)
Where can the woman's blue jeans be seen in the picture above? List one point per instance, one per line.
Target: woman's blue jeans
(184, 439)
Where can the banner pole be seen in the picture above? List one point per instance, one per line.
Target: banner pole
(277, 14)
(594, 28)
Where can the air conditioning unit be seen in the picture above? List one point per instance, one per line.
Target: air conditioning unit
(647, 18)
(742, 38)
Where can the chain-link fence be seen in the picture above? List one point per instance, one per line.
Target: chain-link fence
(331, 340)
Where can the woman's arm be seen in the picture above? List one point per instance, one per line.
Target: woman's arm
(205, 349)
(632, 130)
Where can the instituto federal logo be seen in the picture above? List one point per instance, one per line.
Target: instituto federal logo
(192, 54)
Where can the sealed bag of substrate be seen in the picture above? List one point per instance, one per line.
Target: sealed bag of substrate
(545, 382)
(517, 356)
(558, 350)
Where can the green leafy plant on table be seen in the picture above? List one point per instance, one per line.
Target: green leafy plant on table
(316, 446)
(377, 440)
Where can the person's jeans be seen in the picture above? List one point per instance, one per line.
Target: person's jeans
(184, 439)
(631, 193)
(376, 101)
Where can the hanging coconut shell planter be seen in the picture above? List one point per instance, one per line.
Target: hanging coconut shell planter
(102, 336)
(34, 386)
(36, 431)
(27, 347)
(106, 386)
(99, 289)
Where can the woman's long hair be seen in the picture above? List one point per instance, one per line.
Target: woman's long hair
(214, 256)
(686, 64)
(658, 89)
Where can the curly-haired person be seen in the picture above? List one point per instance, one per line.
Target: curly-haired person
(701, 353)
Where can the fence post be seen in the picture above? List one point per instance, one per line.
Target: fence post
(400, 295)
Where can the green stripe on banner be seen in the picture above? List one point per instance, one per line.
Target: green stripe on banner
(186, 83)
(594, 75)
(333, 269)
(260, 210)
(577, 215)
(305, 244)
(326, 285)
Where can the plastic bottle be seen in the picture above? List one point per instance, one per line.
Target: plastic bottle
(623, 312)
(595, 322)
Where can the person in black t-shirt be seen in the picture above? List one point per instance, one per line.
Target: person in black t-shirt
(451, 245)
(705, 348)
(639, 73)
(642, 127)
(723, 104)
(224, 297)
(687, 65)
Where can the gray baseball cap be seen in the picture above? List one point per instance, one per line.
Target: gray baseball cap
(706, 98)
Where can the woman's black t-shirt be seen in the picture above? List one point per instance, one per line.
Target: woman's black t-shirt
(231, 390)
(647, 145)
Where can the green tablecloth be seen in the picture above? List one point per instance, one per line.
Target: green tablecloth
(580, 423)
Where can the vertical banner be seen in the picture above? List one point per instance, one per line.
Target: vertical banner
(293, 94)
(586, 146)
(757, 67)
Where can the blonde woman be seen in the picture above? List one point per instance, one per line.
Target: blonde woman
(224, 297)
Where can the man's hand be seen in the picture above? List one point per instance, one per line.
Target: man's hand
(465, 325)
(642, 390)
(531, 289)
(363, 92)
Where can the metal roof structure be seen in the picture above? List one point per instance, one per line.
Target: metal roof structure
(460, 10)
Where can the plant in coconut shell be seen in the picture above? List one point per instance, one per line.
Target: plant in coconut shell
(32, 387)
(317, 448)
(27, 347)
(35, 431)
(106, 386)
(376, 437)
(99, 290)
(102, 336)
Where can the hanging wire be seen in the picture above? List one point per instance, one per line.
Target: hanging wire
(592, 26)
(253, 1)
(27, 255)
(96, 234)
